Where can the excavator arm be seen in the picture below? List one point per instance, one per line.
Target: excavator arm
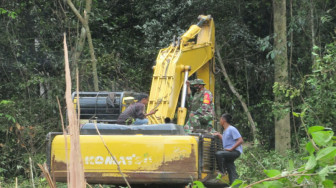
(174, 64)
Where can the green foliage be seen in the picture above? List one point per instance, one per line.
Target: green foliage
(253, 165)
(24, 183)
(10, 14)
(322, 138)
(318, 171)
(316, 88)
(197, 184)
(272, 173)
(239, 183)
(287, 91)
(320, 89)
(320, 168)
(3, 105)
(113, 64)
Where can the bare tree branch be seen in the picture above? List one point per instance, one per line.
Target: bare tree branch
(85, 22)
(73, 8)
(234, 91)
(114, 159)
(46, 174)
(279, 177)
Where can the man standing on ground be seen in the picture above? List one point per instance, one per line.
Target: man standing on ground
(232, 144)
(202, 107)
(135, 113)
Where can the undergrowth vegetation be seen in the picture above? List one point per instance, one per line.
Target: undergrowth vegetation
(313, 167)
(256, 159)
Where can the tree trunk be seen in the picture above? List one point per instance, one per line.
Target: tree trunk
(217, 110)
(93, 58)
(240, 98)
(78, 50)
(87, 11)
(282, 125)
(290, 71)
(312, 28)
(85, 22)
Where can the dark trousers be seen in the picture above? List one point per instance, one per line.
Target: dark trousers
(225, 161)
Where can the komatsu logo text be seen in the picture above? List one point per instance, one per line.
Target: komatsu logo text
(122, 160)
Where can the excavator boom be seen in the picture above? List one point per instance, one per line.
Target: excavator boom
(176, 63)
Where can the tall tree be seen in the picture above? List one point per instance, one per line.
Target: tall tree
(85, 22)
(312, 27)
(282, 123)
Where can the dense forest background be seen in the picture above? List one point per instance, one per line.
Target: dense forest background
(127, 35)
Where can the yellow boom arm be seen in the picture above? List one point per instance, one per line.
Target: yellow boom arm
(172, 65)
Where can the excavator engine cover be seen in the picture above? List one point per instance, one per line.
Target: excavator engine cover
(147, 153)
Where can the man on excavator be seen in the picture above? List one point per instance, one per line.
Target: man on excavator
(135, 113)
(201, 108)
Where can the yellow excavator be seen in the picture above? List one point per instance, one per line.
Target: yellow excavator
(160, 153)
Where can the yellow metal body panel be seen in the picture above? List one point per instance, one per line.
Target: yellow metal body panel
(126, 101)
(137, 156)
(170, 66)
(181, 115)
(75, 102)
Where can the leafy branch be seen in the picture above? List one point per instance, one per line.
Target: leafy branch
(10, 14)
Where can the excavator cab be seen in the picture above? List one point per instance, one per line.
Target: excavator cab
(102, 107)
